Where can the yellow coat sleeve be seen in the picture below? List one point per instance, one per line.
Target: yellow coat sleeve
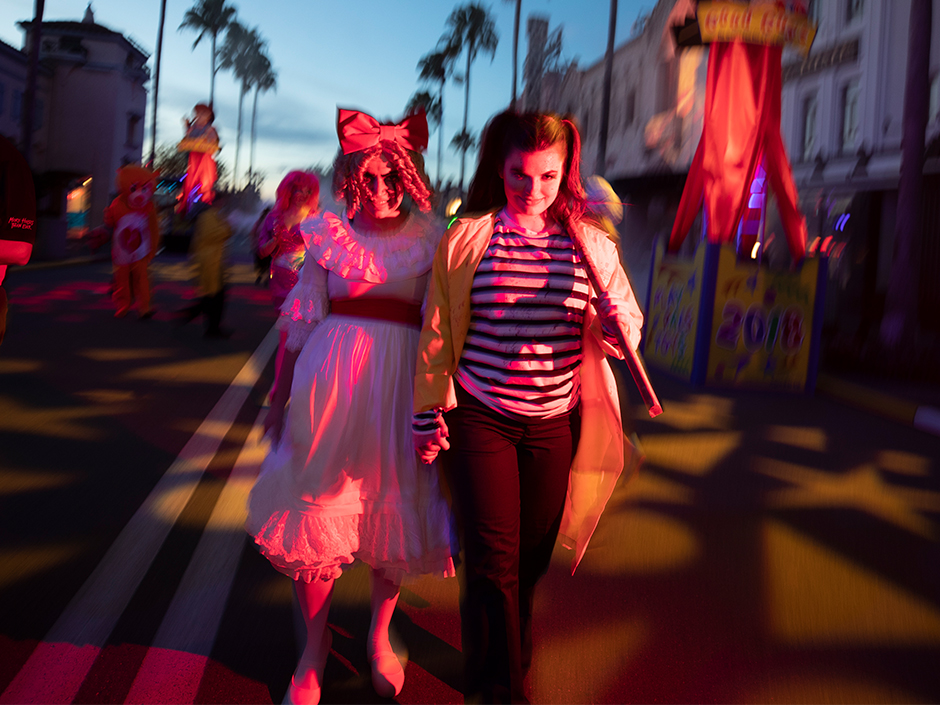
(436, 362)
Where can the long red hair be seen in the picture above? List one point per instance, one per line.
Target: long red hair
(528, 132)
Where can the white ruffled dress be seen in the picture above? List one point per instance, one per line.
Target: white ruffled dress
(345, 483)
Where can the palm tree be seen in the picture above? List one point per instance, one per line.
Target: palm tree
(430, 103)
(208, 17)
(437, 67)
(605, 100)
(515, 48)
(156, 83)
(264, 78)
(463, 142)
(473, 30)
(900, 321)
(239, 52)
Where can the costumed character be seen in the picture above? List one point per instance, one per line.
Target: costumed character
(262, 264)
(342, 483)
(135, 228)
(513, 384)
(201, 142)
(18, 228)
(207, 250)
(741, 127)
(280, 239)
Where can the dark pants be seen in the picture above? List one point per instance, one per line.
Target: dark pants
(211, 307)
(508, 479)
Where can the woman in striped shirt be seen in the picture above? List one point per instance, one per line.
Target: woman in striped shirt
(513, 385)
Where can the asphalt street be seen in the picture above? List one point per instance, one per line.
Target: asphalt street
(772, 547)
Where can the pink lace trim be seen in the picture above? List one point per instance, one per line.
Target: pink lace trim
(307, 547)
(337, 246)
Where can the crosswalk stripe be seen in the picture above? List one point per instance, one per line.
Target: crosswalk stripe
(174, 665)
(57, 667)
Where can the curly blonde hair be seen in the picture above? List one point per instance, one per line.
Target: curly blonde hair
(349, 179)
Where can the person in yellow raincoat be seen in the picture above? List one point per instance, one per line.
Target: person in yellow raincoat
(207, 250)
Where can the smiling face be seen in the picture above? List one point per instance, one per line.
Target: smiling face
(532, 180)
(384, 191)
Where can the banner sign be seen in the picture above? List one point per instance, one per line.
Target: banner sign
(762, 324)
(673, 311)
(761, 24)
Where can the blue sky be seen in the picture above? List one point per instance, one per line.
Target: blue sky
(328, 54)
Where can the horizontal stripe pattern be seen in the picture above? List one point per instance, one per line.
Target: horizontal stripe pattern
(522, 353)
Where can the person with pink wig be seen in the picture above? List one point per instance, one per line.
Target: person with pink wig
(297, 197)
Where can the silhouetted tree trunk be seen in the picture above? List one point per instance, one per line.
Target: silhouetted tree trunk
(605, 101)
(29, 98)
(899, 324)
(515, 52)
(156, 84)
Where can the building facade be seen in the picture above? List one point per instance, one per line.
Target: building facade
(90, 105)
(842, 119)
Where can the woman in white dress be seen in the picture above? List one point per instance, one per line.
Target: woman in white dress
(342, 482)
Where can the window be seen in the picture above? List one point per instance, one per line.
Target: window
(667, 86)
(933, 115)
(629, 110)
(853, 9)
(130, 139)
(850, 94)
(809, 129)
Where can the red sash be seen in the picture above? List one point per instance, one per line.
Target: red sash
(381, 309)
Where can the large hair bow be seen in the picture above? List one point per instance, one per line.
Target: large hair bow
(358, 131)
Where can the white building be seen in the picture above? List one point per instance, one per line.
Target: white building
(90, 106)
(841, 122)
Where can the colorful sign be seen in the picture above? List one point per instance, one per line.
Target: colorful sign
(673, 311)
(762, 324)
(760, 24)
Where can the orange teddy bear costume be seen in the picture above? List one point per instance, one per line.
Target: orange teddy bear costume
(136, 234)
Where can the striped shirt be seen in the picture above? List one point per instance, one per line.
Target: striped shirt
(522, 354)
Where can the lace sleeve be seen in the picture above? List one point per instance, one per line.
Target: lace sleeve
(306, 305)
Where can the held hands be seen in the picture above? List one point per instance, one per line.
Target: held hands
(274, 423)
(428, 445)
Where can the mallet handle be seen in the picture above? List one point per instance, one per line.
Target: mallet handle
(630, 355)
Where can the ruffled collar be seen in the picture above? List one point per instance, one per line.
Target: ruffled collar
(350, 254)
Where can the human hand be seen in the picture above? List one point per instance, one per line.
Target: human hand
(274, 423)
(614, 311)
(428, 445)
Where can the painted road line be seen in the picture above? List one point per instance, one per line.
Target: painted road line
(925, 418)
(57, 667)
(174, 665)
(869, 399)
